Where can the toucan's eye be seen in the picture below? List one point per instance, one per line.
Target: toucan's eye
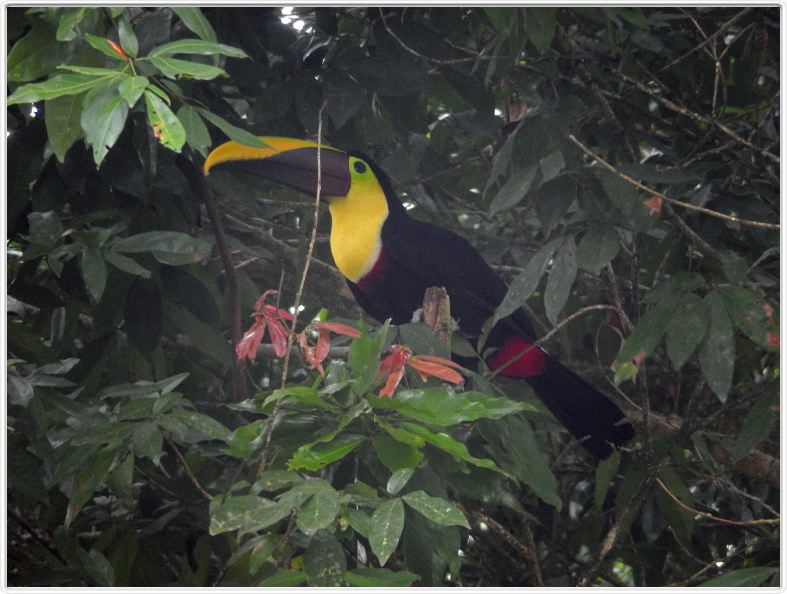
(360, 167)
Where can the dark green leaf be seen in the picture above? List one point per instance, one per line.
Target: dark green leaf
(63, 115)
(167, 242)
(57, 86)
(246, 513)
(198, 47)
(757, 424)
(742, 578)
(320, 509)
(436, 509)
(540, 25)
(33, 56)
(103, 45)
(398, 479)
(197, 135)
(174, 68)
(284, 579)
(45, 228)
(94, 271)
(68, 21)
(717, 351)
(527, 281)
(605, 475)
(97, 567)
(324, 561)
(128, 39)
(394, 454)
(126, 264)
(144, 315)
(555, 197)
(344, 97)
(561, 279)
(752, 315)
(315, 456)
(90, 478)
(148, 441)
(372, 577)
(514, 190)
(680, 520)
(237, 134)
(386, 528)
(686, 329)
(103, 118)
(195, 21)
(204, 425)
(599, 246)
(649, 330)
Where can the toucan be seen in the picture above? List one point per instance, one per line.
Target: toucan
(389, 260)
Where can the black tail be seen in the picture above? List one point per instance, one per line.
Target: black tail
(589, 415)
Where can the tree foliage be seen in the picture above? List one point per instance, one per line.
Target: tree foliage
(625, 157)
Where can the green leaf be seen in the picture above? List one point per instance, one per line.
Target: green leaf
(57, 86)
(103, 118)
(399, 479)
(448, 444)
(68, 21)
(125, 264)
(386, 528)
(561, 279)
(324, 561)
(717, 351)
(195, 21)
(94, 271)
(131, 89)
(555, 198)
(605, 475)
(62, 115)
(320, 509)
(742, 578)
(540, 26)
(143, 388)
(648, 332)
(686, 329)
(166, 125)
(439, 407)
(599, 246)
(94, 71)
(197, 135)
(752, 315)
(205, 426)
(174, 68)
(284, 579)
(246, 513)
(436, 509)
(317, 455)
(197, 46)
(102, 44)
(500, 19)
(514, 190)
(45, 228)
(237, 134)
(97, 567)
(680, 520)
(128, 39)
(394, 454)
(164, 242)
(148, 441)
(527, 281)
(275, 480)
(757, 424)
(552, 165)
(33, 56)
(344, 97)
(373, 577)
(90, 479)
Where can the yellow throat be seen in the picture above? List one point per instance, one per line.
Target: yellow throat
(356, 227)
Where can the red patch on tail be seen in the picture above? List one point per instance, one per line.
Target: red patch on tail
(524, 364)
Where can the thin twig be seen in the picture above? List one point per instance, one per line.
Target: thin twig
(189, 473)
(37, 537)
(696, 116)
(711, 516)
(644, 188)
(551, 333)
(273, 419)
(435, 61)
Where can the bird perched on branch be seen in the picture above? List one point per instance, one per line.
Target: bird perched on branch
(389, 260)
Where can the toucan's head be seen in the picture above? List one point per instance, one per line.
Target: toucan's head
(293, 163)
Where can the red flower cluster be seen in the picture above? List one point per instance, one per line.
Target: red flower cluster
(265, 316)
(425, 366)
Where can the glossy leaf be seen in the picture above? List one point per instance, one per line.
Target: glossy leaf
(514, 190)
(196, 46)
(193, 18)
(103, 119)
(436, 509)
(57, 86)
(237, 134)
(246, 513)
(686, 329)
(561, 279)
(385, 529)
(320, 509)
(174, 68)
(372, 577)
(166, 125)
(599, 245)
(741, 578)
(63, 116)
(324, 561)
(131, 89)
(717, 351)
(33, 56)
(197, 135)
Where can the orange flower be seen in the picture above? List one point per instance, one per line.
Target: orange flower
(654, 203)
(316, 355)
(118, 49)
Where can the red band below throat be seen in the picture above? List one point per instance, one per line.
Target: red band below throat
(529, 364)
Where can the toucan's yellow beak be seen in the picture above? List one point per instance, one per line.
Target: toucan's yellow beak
(288, 161)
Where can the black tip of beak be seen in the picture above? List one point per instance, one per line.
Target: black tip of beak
(297, 169)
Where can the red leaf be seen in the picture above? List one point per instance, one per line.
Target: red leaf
(309, 355)
(772, 338)
(427, 368)
(390, 385)
(118, 49)
(337, 328)
(278, 336)
(438, 360)
(395, 361)
(323, 346)
(247, 346)
(654, 203)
